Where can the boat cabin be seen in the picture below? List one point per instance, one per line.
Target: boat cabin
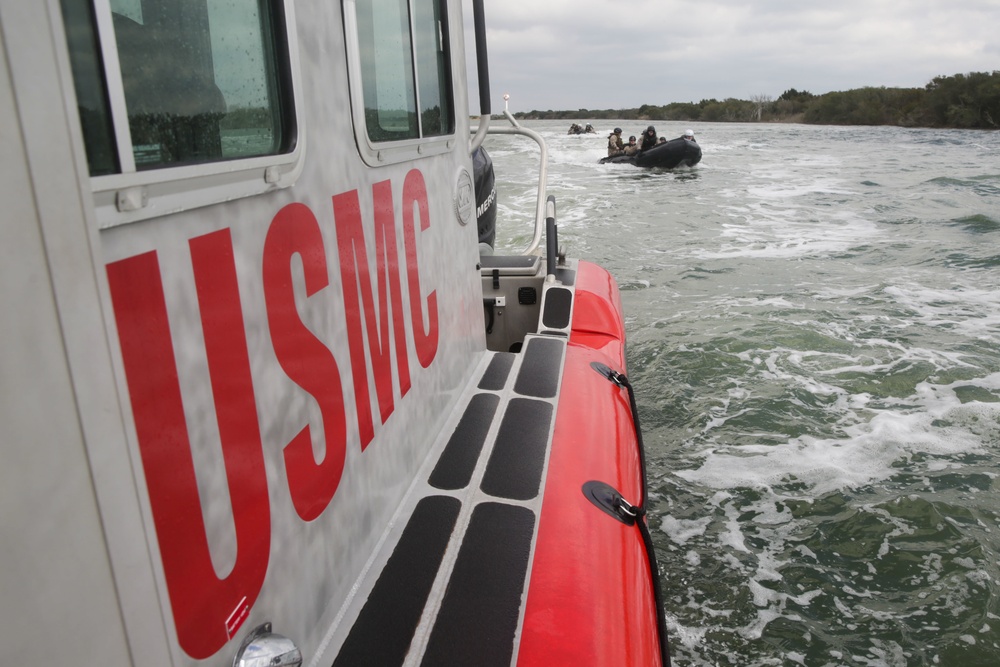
(266, 398)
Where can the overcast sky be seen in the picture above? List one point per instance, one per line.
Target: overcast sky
(600, 54)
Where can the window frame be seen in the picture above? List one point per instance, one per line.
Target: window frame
(131, 195)
(379, 153)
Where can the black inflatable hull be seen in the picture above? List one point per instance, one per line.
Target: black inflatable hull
(671, 154)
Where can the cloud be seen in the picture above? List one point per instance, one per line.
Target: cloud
(601, 54)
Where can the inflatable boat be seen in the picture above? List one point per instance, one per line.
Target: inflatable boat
(679, 152)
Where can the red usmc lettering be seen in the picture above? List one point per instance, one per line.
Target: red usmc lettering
(356, 278)
(415, 197)
(208, 608)
(303, 357)
(201, 601)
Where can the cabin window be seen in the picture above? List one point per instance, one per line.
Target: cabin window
(404, 69)
(91, 93)
(198, 81)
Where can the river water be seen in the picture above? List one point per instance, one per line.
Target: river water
(813, 317)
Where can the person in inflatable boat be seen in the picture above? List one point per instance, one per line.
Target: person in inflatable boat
(648, 138)
(615, 145)
(631, 148)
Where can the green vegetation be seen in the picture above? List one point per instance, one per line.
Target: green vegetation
(968, 101)
(239, 118)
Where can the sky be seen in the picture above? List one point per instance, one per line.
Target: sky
(607, 54)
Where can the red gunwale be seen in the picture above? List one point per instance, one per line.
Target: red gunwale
(590, 598)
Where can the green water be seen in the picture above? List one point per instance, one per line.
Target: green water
(813, 317)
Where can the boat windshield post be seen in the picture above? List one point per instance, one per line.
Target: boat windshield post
(483, 70)
(543, 170)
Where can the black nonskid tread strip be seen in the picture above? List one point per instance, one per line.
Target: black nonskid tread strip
(566, 276)
(539, 374)
(514, 469)
(384, 629)
(495, 377)
(558, 305)
(458, 461)
(479, 613)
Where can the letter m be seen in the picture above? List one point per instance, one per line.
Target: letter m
(368, 320)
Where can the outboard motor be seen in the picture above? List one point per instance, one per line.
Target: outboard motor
(486, 196)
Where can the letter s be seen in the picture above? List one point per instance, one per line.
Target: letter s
(304, 358)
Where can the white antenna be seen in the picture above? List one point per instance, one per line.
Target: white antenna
(506, 97)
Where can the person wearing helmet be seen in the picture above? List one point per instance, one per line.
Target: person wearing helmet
(648, 138)
(615, 144)
(689, 135)
(631, 148)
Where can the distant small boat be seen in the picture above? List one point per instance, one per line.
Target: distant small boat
(679, 152)
(576, 128)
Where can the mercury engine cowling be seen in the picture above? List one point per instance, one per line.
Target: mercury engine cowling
(486, 196)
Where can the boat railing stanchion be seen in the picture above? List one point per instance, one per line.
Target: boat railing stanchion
(551, 238)
(543, 172)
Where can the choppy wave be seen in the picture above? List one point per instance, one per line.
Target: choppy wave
(814, 332)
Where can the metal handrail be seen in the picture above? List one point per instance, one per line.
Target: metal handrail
(543, 170)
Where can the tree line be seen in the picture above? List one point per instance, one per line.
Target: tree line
(967, 101)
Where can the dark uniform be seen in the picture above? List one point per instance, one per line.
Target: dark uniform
(648, 138)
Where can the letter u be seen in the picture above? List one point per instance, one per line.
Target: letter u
(201, 601)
